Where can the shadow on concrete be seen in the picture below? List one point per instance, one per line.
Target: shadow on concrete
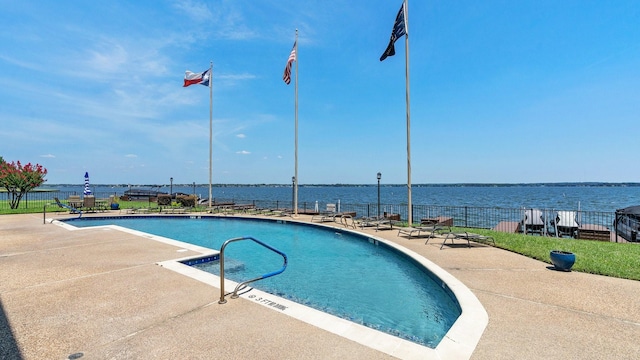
(8, 347)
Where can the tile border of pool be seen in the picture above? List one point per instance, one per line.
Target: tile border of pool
(458, 343)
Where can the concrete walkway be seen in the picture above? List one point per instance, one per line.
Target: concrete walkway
(99, 294)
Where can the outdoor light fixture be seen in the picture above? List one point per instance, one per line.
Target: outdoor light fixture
(379, 176)
(171, 186)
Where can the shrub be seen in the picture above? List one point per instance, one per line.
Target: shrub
(186, 200)
(164, 200)
(19, 179)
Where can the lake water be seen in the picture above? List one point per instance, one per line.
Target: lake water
(590, 197)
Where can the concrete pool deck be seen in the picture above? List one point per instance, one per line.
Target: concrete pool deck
(99, 294)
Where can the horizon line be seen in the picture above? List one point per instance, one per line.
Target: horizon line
(562, 183)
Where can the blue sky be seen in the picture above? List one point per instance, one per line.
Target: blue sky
(501, 91)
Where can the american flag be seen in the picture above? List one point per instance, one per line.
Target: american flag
(287, 70)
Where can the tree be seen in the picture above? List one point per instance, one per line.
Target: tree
(19, 180)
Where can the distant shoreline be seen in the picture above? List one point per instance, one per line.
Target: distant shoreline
(558, 184)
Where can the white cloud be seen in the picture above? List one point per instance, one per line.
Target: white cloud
(241, 136)
(109, 57)
(196, 10)
(243, 152)
(243, 76)
(232, 79)
(21, 63)
(48, 156)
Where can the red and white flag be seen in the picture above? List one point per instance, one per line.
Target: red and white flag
(287, 70)
(202, 78)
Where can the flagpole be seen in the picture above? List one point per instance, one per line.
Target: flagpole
(210, 130)
(295, 183)
(406, 55)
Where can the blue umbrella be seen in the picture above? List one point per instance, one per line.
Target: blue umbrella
(87, 191)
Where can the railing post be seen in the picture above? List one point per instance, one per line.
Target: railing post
(273, 273)
(222, 299)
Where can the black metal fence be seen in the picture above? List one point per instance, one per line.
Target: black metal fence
(463, 216)
(36, 199)
(503, 219)
(474, 217)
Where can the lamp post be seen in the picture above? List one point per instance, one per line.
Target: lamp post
(379, 177)
(293, 194)
(171, 187)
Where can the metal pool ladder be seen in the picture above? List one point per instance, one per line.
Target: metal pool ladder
(243, 284)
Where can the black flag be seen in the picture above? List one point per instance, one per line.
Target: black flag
(399, 29)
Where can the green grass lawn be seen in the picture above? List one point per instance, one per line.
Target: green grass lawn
(27, 207)
(595, 257)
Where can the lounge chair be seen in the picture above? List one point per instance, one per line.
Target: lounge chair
(253, 210)
(467, 236)
(173, 210)
(380, 223)
(326, 216)
(281, 212)
(138, 211)
(245, 208)
(227, 210)
(566, 223)
(413, 232)
(265, 211)
(436, 225)
(428, 227)
(71, 209)
(532, 221)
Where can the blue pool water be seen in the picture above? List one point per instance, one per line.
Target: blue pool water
(349, 276)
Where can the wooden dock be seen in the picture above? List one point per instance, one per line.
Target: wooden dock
(508, 226)
(594, 232)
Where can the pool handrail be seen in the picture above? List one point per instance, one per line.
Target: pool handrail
(243, 284)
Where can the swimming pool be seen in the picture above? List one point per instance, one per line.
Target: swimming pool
(350, 276)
